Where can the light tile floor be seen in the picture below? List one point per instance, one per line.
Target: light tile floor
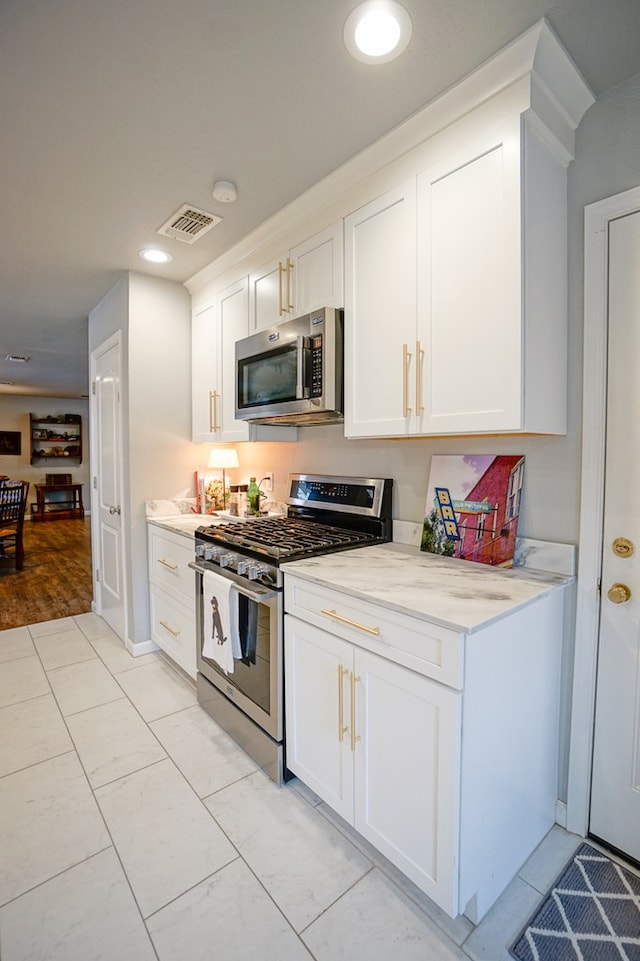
(133, 828)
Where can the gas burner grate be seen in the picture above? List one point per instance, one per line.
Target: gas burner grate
(282, 537)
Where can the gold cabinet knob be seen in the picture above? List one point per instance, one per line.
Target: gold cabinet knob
(623, 547)
(619, 593)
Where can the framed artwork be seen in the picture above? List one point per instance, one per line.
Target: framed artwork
(473, 506)
(10, 442)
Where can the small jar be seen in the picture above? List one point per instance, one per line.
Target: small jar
(234, 500)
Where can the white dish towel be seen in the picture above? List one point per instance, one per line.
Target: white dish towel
(221, 640)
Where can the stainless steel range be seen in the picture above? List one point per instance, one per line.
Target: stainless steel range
(246, 694)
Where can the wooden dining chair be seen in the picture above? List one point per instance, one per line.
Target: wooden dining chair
(13, 505)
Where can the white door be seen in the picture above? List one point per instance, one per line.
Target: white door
(615, 798)
(106, 458)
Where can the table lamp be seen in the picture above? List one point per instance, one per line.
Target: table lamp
(223, 458)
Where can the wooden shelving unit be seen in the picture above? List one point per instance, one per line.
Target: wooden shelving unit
(56, 437)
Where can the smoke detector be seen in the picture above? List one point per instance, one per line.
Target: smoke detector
(189, 224)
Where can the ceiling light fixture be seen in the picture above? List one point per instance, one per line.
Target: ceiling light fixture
(377, 31)
(155, 256)
(224, 191)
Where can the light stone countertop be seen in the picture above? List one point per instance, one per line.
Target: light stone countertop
(460, 595)
(184, 524)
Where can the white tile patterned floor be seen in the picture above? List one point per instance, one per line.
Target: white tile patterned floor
(133, 828)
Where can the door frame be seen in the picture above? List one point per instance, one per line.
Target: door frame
(594, 409)
(115, 340)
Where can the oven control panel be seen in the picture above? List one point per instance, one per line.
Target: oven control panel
(220, 559)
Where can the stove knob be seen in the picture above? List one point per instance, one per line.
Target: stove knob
(254, 571)
(225, 560)
(200, 550)
(210, 552)
(242, 567)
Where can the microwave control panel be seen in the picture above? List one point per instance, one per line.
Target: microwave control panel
(316, 365)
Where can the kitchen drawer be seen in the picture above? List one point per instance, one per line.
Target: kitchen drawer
(423, 647)
(169, 557)
(173, 629)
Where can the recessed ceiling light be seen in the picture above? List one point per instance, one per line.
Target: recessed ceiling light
(155, 256)
(377, 31)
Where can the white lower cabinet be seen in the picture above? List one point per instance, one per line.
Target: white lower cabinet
(379, 744)
(438, 747)
(172, 596)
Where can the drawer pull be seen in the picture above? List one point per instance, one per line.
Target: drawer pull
(167, 627)
(169, 564)
(345, 620)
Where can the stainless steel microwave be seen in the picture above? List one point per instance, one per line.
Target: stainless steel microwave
(293, 373)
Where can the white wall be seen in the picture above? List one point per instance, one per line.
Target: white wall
(154, 317)
(14, 415)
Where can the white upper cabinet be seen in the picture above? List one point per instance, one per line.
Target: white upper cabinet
(453, 278)
(308, 276)
(214, 333)
(380, 313)
(456, 294)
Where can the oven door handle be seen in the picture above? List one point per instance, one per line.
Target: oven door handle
(258, 596)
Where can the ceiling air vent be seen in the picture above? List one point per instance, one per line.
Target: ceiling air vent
(188, 224)
(17, 358)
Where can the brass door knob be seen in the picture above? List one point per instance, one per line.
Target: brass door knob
(619, 593)
(623, 547)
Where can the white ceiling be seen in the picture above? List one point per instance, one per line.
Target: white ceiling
(114, 114)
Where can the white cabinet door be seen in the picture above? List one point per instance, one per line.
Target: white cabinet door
(317, 671)
(308, 276)
(469, 292)
(233, 324)
(204, 374)
(407, 773)
(317, 272)
(381, 745)
(380, 315)
(266, 293)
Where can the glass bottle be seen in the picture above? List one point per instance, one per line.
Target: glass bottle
(253, 497)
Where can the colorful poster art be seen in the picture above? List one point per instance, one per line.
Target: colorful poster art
(473, 506)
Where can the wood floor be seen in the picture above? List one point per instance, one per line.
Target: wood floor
(56, 580)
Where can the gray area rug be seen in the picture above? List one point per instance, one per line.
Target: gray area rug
(592, 913)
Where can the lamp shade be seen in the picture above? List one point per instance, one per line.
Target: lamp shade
(223, 457)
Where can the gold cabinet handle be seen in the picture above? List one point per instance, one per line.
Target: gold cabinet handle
(619, 593)
(354, 737)
(167, 627)
(213, 410)
(290, 304)
(281, 307)
(406, 357)
(169, 564)
(345, 620)
(342, 728)
(419, 356)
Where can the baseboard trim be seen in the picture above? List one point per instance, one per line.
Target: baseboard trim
(561, 813)
(142, 647)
